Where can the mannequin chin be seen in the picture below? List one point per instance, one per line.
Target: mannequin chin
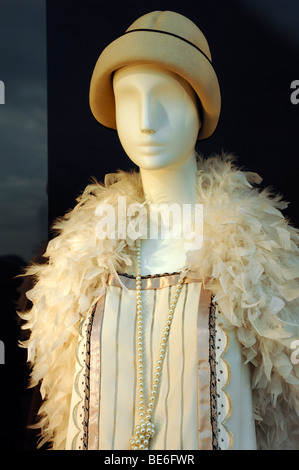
(156, 115)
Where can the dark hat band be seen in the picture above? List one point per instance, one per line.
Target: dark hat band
(170, 34)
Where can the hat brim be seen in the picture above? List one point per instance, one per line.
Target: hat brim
(168, 51)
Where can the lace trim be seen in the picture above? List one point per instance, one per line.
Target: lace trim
(223, 376)
(221, 404)
(80, 413)
(87, 380)
(149, 276)
(78, 408)
(213, 376)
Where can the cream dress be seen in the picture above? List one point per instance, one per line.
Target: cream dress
(204, 399)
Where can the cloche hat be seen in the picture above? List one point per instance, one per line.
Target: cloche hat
(162, 38)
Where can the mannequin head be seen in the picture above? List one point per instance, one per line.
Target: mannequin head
(157, 117)
(170, 41)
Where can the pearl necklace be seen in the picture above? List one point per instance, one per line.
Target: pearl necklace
(145, 430)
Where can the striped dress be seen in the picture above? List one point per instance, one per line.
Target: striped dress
(194, 407)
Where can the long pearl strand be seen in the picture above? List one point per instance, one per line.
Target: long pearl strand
(145, 430)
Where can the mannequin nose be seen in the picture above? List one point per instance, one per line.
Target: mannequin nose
(148, 131)
(147, 124)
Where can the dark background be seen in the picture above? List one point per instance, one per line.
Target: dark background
(255, 51)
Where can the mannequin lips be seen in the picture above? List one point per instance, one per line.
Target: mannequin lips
(151, 144)
(151, 147)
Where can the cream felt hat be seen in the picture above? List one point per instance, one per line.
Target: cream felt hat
(162, 38)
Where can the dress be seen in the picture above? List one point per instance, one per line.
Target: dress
(194, 408)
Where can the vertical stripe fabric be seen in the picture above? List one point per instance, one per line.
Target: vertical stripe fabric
(182, 413)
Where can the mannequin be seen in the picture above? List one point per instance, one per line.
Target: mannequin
(226, 380)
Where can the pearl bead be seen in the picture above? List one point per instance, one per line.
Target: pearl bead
(144, 433)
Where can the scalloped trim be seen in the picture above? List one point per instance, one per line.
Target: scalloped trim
(223, 374)
(77, 389)
(79, 415)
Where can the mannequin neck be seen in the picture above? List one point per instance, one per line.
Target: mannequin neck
(172, 184)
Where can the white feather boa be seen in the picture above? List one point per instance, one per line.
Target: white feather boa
(249, 255)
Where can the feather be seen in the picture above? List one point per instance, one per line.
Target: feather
(249, 260)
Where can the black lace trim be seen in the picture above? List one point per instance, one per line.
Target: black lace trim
(148, 276)
(213, 377)
(87, 381)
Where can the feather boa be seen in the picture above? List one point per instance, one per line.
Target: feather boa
(249, 255)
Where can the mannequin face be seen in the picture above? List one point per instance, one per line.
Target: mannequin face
(156, 116)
